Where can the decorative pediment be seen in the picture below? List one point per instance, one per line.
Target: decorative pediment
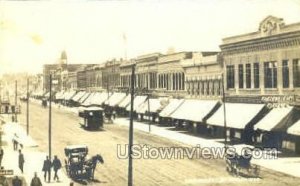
(270, 25)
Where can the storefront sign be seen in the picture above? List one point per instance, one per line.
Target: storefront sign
(6, 172)
(9, 109)
(277, 99)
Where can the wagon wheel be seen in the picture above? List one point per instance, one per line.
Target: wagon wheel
(256, 170)
(67, 167)
(237, 169)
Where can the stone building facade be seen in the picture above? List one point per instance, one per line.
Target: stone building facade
(265, 62)
(170, 74)
(111, 74)
(146, 71)
(203, 74)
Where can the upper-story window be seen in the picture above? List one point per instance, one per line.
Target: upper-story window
(230, 76)
(296, 72)
(241, 76)
(248, 75)
(256, 75)
(270, 69)
(285, 74)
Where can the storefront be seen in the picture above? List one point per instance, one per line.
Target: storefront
(165, 114)
(193, 112)
(271, 128)
(240, 118)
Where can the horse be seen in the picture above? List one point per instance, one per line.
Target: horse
(92, 163)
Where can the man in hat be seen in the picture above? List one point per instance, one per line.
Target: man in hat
(36, 181)
(21, 161)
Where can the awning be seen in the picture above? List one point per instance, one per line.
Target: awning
(238, 115)
(69, 95)
(99, 98)
(116, 98)
(194, 110)
(84, 97)
(125, 102)
(47, 95)
(138, 100)
(88, 99)
(59, 95)
(171, 107)
(274, 119)
(155, 105)
(78, 95)
(294, 129)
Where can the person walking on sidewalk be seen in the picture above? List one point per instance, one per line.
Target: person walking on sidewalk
(1, 155)
(21, 161)
(56, 166)
(36, 181)
(15, 142)
(16, 181)
(46, 167)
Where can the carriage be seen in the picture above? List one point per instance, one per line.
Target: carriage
(77, 163)
(238, 161)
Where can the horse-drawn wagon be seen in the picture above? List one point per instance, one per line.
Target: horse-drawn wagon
(77, 163)
(238, 161)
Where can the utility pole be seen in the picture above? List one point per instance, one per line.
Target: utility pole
(49, 132)
(16, 100)
(148, 95)
(27, 108)
(224, 109)
(130, 183)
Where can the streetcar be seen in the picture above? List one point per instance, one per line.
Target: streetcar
(92, 117)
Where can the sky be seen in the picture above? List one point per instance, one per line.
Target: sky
(34, 33)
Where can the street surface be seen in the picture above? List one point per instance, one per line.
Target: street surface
(67, 131)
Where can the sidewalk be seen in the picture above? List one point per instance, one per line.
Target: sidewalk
(286, 165)
(33, 158)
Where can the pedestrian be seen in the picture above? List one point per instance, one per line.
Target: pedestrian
(16, 181)
(1, 156)
(36, 181)
(21, 161)
(114, 114)
(46, 168)
(3, 181)
(15, 142)
(56, 166)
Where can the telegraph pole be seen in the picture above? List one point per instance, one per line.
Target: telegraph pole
(27, 108)
(16, 100)
(149, 112)
(49, 132)
(224, 109)
(130, 182)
